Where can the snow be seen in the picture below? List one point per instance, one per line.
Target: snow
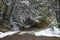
(26, 2)
(50, 32)
(2, 35)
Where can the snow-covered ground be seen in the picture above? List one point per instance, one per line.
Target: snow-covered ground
(51, 32)
(2, 35)
(55, 32)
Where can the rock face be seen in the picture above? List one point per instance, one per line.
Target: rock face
(20, 14)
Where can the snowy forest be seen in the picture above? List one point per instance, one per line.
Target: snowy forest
(21, 15)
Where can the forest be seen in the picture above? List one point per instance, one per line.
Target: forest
(28, 14)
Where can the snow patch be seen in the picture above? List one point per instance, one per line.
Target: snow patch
(2, 35)
(50, 32)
